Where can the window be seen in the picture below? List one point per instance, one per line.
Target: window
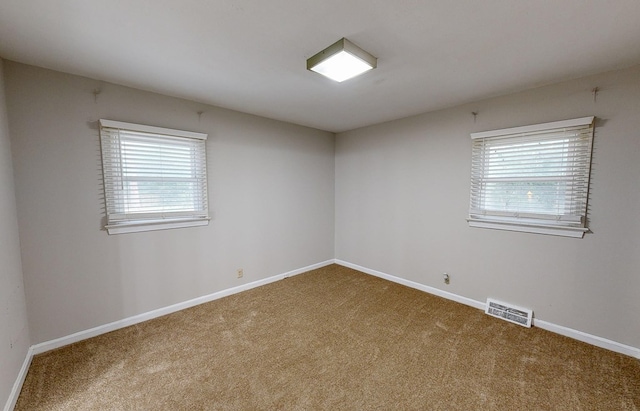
(154, 178)
(533, 178)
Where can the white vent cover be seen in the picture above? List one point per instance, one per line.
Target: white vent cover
(511, 313)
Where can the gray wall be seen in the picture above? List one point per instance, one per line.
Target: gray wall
(402, 195)
(271, 191)
(14, 330)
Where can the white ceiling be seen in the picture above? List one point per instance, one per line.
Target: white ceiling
(250, 55)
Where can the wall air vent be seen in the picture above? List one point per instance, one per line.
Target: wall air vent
(511, 313)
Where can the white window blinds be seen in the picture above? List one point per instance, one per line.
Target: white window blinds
(532, 178)
(154, 178)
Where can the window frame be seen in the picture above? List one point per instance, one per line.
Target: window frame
(577, 133)
(119, 220)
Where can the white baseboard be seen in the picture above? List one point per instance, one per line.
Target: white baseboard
(545, 325)
(83, 335)
(17, 386)
(589, 338)
(417, 286)
(102, 329)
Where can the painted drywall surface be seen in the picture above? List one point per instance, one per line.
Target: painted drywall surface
(271, 192)
(402, 195)
(14, 330)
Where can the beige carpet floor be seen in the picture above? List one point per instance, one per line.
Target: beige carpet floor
(331, 339)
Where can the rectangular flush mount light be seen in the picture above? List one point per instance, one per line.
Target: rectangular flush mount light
(341, 61)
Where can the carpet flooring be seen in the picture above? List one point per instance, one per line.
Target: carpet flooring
(331, 339)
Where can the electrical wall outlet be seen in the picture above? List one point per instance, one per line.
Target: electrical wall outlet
(446, 278)
(240, 272)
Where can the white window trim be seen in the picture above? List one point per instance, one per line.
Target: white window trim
(576, 122)
(154, 225)
(123, 227)
(532, 226)
(152, 129)
(529, 228)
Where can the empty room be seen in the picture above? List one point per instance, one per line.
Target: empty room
(337, 205)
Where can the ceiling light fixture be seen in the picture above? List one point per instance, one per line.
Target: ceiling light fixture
(341, 61)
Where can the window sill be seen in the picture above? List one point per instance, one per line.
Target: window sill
(136, 226)
(575, 232)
